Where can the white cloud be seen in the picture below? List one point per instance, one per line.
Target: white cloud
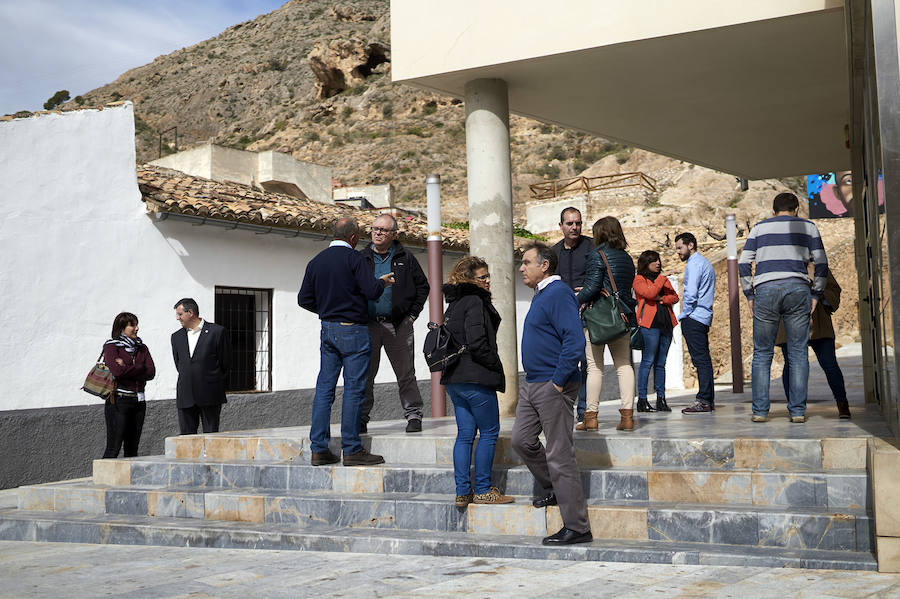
(79, 45)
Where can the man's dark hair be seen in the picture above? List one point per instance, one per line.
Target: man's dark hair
(345, 228)
(785, 202)
(687, 239)
(544, 254)
(188, 305)
(122, 320)
(562, 215)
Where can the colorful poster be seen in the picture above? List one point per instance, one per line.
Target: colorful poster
(831, 194)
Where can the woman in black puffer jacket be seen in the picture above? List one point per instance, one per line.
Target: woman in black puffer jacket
(610, 240)
(474, 379)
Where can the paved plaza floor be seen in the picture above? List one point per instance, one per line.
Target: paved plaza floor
(71, 570)
(75, 571)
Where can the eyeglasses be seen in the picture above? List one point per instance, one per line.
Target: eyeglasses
(381, 231)
(486, 277)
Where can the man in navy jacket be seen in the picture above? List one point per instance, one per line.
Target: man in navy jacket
(337, 286)
(552, 344)
(202, 353)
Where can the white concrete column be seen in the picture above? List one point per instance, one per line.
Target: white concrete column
(490, 213)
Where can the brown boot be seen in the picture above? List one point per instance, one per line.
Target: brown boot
(589, 423)
(627, 421)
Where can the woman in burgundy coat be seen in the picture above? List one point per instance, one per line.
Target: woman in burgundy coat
(129, 360)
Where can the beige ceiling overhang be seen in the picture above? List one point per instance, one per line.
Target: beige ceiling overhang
(763, 94)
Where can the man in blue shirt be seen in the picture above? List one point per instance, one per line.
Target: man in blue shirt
(337, 286)
(696, 318)
(552, 344)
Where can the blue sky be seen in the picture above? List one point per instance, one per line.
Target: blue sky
(79, 45)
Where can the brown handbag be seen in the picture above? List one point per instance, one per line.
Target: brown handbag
(100, 381)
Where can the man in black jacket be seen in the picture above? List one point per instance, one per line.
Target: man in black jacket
(572, 251)
(202, 352)
(336, 285)
(391, 319)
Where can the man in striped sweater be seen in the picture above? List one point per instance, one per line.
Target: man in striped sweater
(782, 247)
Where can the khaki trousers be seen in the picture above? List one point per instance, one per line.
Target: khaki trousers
(621, 355)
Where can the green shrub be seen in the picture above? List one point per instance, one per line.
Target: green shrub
(418, 132)
(79, 100)
(311, 136)
(548, 171)
(348, 110)
(518, 230)
(545, 129)
(408, 154)
(387, 111)
(57, 99)
(429, 108)
(556, 153)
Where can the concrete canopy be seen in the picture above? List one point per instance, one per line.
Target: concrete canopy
(759, 91)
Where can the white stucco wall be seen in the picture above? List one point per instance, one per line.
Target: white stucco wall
(377, 195)
(77, 247)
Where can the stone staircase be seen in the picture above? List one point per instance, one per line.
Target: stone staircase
(796, 502)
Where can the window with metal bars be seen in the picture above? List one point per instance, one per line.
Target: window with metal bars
(247, 315)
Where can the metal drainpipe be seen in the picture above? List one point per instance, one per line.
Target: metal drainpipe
(734, 307)
(435, 280)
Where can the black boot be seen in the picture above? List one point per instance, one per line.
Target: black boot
(643, 405)
(661, 405)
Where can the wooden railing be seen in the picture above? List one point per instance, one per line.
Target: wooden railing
(561, 187)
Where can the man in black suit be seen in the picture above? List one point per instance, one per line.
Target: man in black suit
(202, 352)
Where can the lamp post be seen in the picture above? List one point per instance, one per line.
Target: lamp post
(435, 280)
(734, 307)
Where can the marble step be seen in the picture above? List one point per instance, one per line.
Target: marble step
(818, 528)
(180, 532)
(827, 489)
(595, 450)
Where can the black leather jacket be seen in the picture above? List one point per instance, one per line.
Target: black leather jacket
(596, 278)
(409, 292)
(472, 320)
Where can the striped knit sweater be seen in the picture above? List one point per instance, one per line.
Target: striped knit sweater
(782, 248)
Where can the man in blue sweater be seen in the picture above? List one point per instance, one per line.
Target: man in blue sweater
(782, 247)
(552, 344)
(337, 286)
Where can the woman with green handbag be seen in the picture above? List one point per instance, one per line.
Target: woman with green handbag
(609, 273)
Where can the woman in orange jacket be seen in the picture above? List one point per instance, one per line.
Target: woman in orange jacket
(655, 298)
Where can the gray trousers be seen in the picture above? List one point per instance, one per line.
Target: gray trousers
(542, 407)
(399, 346)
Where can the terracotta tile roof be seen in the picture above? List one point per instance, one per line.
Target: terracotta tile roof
(167, 190)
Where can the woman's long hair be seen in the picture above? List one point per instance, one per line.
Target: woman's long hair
(608, 230)
(464, 271)
(122, 320)
(647, 258)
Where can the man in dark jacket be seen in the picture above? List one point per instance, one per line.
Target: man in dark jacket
(391, 319)
(572, 251)
(202, 352)
(336, 286)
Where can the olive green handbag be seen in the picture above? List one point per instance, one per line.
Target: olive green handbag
(604, 318)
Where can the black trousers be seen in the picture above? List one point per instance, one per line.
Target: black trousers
(696, 334)
(189, 419)
(124, 423)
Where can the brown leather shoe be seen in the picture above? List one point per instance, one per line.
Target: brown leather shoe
(627, 421)
(323, 458)
(589, 423)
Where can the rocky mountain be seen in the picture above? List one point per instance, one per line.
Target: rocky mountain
(312, 78)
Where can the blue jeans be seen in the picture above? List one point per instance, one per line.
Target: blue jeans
(476, 410)
(347, 347)
(696, 335)
(825, 353)
(788, 300)
(656, 349)
(581, 403)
